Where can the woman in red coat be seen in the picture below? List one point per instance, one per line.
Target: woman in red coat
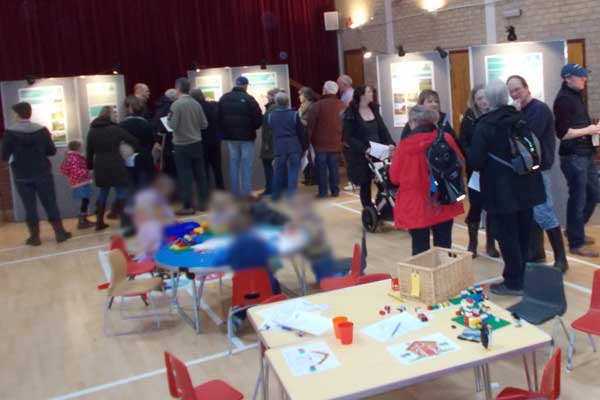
(414, 210)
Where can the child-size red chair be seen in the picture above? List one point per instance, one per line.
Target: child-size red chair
(263, 374)
(250, 287)
(369, 278)
(133, 268)
(181, 387)
(550, 388)
(589, 323)
(340, 282)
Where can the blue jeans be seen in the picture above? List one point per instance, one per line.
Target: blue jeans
(582, 178)
(286, 168)
(544, 214)
(328, 162)
(122, 193)
(241, 157)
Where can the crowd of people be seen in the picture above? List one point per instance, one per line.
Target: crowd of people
(337, 126)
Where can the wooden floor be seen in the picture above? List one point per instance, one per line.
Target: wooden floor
(52, 344)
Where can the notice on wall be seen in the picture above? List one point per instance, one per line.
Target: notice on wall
(211, 85)
(101, 94)
(529, 65)
(48, 109)
(259, 85)
(409, 78)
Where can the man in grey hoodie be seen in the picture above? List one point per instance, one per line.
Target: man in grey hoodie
(27, 146)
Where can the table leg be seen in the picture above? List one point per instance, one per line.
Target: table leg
(303, 272)
(196, 303)
(175, 285)
(487, 383)
(526, 366)
(266, 380)
(478, 386)
(535, 371)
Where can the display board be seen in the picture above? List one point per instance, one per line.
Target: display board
(65, 106)
(214, 82)
(401, 79)
(540, 63)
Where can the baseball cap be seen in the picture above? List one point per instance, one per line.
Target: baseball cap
(241, 81)
(574, 70)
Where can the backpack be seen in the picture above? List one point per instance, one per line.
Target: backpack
(524, 150)
(445, 170)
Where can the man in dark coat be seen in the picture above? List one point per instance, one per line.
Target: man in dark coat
(164, 137)
(27, 146)
(508, 198)
(239, 118)
(104, 157)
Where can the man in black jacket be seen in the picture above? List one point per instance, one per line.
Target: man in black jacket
(27, 146)
(575, 130)
(239, 118)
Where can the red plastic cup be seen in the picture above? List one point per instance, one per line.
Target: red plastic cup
(346, 330)
(395, 284)
(336, 321)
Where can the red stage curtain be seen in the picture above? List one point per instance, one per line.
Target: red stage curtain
(156, 40)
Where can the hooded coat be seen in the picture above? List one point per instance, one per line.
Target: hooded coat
(30, 145)
(103, 155)
(413, 207)
(503, 191)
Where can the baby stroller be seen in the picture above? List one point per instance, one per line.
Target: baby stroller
(383, 208)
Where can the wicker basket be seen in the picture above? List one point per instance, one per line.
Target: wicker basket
(443, 273)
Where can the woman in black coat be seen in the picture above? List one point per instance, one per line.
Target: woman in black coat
(104, 157)
(509, 198)
(363, 124)
(478, 106)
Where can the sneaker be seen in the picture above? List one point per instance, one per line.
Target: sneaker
(585, 252)
(349, 187)
(501, 289)
(184, 212)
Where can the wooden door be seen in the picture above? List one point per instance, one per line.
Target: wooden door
(353, 65)
(576, 55)
(460, 84)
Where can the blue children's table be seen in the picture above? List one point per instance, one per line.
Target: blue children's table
(205, 259)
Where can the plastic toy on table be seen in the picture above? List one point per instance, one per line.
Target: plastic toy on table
(474, 312)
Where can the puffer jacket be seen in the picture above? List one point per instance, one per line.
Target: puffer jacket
(239, 115)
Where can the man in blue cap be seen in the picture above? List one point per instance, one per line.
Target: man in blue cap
(239, 118)
(574, 128)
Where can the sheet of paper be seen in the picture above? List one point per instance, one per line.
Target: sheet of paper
(415, 284)
(275, 317)
(311, 150)
(474, 181)
(165, 122)
(425, 348)
(304, 161)
(310, 358)
(130, 162)
(595, 140)
(385, 330)
(379, 151)
(308, 322)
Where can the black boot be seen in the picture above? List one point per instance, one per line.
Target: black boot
(100, 225)
(59, 232)
(558, 247)
(473, 239)
(84, 223)
(490, 243)
(536, 253)
(34, 234)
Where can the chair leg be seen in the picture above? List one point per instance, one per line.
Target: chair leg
(554, 337)
(592, 342)
(154, 311)
(266, 381)
(565, 330)
(571, 349)
(144, 298)
(230, 331)
(260, 377)
(109, 302)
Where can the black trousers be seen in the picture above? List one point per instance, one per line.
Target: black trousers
(189, 159)
(365, 195)
(442, 237)
(212, 162)
(41, 187)
(512, 233)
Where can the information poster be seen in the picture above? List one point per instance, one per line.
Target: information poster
(48, 109)
(259, 85)
(529, 65)
(409, 78)
(211, 85)
(101, 94)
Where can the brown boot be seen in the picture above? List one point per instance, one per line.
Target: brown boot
(584, 251)
(84, 223)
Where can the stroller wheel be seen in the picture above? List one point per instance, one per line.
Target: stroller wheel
(370, 219)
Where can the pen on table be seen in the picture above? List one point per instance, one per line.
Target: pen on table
(287, 328)
(396, 329)
(395, 297)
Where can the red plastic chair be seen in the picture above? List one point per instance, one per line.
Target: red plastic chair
(340, 282)
(250, 287)
(180, 384)
(550, 388)
(588, 323)
(133, 268)
(369, 278)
